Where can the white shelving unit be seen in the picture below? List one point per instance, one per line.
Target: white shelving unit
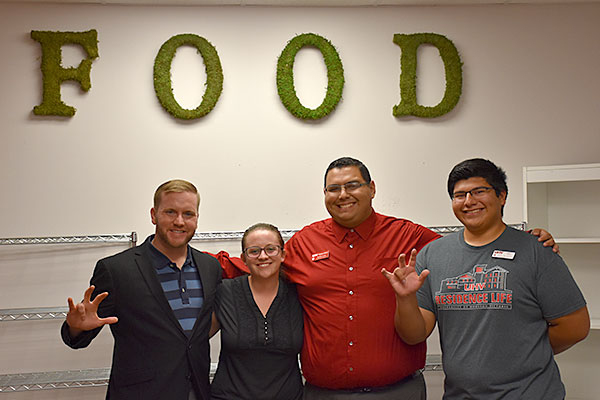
(565, 200)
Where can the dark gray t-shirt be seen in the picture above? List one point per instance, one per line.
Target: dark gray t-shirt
(492, 304)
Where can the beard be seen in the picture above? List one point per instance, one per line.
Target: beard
(171, 240)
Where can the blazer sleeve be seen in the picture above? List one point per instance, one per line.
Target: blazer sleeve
(102, 280)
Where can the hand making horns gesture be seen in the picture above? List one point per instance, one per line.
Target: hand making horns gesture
(404, 280)
(83, 316)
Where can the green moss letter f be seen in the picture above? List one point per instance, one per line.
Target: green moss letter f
(53, 74)
(408, 79)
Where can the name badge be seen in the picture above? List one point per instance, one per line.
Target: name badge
(507, 255)
(320, 256)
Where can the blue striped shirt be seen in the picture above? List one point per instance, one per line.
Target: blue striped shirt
(182, 287)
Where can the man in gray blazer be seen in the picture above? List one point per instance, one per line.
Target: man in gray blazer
(158, 299)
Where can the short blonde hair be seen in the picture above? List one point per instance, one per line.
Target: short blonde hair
(175, 186)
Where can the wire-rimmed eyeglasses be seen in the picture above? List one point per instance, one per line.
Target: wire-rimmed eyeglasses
(348, 187)
(477, 193)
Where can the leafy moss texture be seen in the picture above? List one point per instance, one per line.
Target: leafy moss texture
(162, 76)
(53, 74)
(408, 79)
(285, 76)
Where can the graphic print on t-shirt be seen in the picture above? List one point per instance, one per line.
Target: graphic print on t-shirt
(484, 288)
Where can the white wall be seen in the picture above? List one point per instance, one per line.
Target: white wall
(530, 97)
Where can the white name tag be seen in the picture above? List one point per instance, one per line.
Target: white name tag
(508, 255)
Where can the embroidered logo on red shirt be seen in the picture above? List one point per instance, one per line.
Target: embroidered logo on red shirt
(320, 256)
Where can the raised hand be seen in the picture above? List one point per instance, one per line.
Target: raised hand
(84, 316)
(404, 280)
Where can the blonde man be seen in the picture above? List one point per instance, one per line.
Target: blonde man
(158, 299)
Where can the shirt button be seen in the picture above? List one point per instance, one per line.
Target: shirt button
(352, 230)
(351, 268)
(351, 246)
(351, 343)
(351, 369)
(350, 317)
(351, 292)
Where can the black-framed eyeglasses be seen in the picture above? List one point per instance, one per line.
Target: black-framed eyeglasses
(477, 193)
(254, 251)
(348, 187)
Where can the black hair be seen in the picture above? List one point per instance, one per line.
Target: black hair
(348, 162)
(478, 168)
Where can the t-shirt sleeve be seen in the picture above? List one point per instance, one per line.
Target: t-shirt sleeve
(424, 297)
(296, 317)
(225, 306)
(558, 293)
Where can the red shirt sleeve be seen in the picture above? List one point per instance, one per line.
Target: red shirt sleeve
(425, 236)
(232, 266)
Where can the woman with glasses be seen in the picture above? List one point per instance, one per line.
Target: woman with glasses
(261, 325)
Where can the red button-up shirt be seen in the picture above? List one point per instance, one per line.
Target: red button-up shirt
(349, 335)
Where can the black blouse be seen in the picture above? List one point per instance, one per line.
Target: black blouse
(259, 356)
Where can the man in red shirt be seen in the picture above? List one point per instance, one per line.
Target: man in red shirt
(350, 343)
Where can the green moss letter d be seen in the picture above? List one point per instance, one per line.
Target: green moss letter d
(53, 74)
(408, 79)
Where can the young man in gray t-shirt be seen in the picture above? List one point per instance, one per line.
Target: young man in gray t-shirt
(504, 303)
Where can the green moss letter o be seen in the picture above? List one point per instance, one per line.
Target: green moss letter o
(285, 76)
(162, 76)
(408, 79)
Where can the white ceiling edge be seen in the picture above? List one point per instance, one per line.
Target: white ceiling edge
(302, 3)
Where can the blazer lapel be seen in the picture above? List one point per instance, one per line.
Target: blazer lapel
(150, 277)
(204, 280)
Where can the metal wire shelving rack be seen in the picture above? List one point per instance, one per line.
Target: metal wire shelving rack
(288, 233)
(99, 376)
(55, 379)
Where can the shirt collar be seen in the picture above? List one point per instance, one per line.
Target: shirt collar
(363, 230)
(159, 260)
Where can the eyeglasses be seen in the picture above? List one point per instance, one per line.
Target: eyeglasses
(348, 186)
(271, 250)
(477, 193)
